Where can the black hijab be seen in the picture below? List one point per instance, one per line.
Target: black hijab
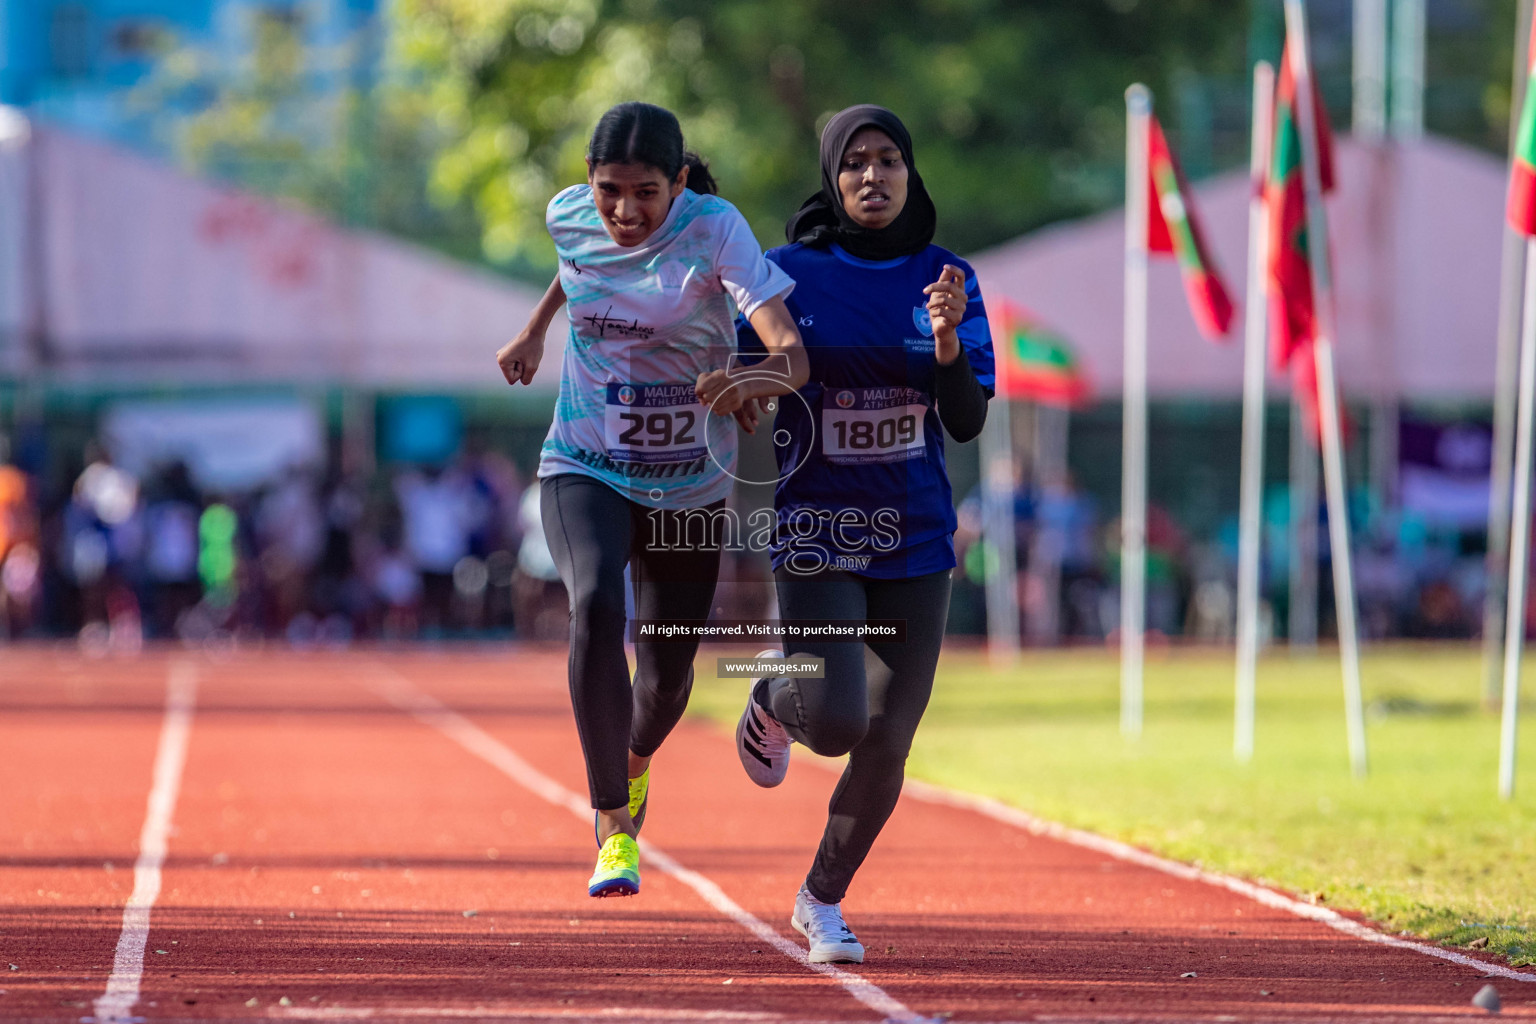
(821, 220)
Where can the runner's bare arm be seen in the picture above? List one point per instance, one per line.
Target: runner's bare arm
(725, 394)
(519, 358)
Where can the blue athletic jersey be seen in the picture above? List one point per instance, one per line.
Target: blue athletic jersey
(862, 485)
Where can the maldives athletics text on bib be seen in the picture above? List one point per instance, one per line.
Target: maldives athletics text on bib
(654, 423)
(864, 425)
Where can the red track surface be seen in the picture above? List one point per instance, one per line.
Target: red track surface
(335, 857)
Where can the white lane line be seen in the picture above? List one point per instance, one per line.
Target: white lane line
(999, 811)
(115, 1004)
(402, 693)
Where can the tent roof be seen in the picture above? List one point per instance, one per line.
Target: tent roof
(149, 274)
(1417, 232)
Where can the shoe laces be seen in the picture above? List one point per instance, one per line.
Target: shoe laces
(826, 919)
(618, 852)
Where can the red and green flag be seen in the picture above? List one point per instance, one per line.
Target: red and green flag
(1292, 312)
(1173, 228)
(1522, 175)
(1293, 319)
(1034, 363)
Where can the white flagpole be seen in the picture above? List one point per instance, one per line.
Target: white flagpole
(1408, 69)
(1302, 634)
(1370, 70)
(1251, 513)
(1506, 387)
(1133, 483)
(1327, 386)
(997, 530)
(1505, 384)
(1520, 535)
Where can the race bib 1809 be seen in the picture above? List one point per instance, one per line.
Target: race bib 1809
(861, 425)
(654, 423)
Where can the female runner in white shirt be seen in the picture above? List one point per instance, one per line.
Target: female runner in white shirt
(650, 268)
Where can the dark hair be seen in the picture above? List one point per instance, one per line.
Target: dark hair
(643, 133)
(699, 178)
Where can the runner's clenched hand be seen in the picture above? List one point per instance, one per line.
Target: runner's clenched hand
(946, 308)
(519, 358)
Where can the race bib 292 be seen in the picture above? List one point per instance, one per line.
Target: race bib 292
(654, 423)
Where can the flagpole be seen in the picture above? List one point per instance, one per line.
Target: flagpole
(1327, 386)
(1408, 69)
(1370, 70)
(997, 532)
(1047, 461)
(1520, 535)
(1302, 618)
(1250, 514)
(1506, 396)
(1133, 483)
(1505, 386)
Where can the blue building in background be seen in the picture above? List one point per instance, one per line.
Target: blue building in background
(73, 63)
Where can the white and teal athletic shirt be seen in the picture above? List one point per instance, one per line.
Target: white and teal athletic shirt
(645, 321)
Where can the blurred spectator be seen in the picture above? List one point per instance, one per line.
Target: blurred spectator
(1068, 536)
(439, 511)
(407, 552)
(1439, 614)
(20, 563)
(538, 595)
(102, 538)
(1212, 614)
(290, 537)
(339, 597)
(482, 579)
(397, 585)
(1382, 584)
(1167, 578)
(170, 551)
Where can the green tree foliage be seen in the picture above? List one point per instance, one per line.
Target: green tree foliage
(477, 111)
(1016, 107)
(1497, 51)
(330, 128)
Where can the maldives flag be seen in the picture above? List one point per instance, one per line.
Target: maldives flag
(1293, 320)
(1032, 363)
(1522, 174)
(1173, 228)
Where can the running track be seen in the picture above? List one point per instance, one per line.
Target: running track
(390, 836)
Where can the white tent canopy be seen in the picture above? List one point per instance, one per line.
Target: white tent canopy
(131, 270)
(1416, 230)
(134, 271)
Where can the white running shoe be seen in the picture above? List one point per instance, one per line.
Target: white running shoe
(832, 941)
(761, 741)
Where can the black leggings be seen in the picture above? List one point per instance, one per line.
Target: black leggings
(867, 706)
(592, 531)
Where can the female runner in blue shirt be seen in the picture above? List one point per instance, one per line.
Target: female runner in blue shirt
(899, 352)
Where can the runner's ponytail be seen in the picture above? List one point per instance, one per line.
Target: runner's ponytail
(699, 178)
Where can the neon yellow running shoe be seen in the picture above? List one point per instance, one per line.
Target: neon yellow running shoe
(618, 868)
(639, 790)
